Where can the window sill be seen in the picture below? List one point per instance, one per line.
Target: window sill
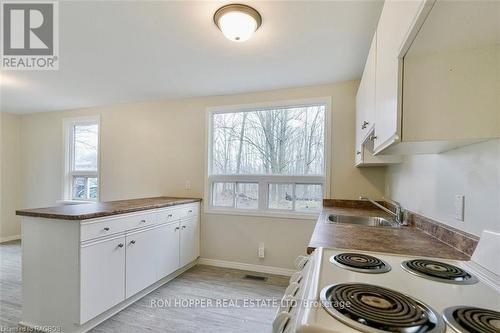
(272, 214)
(74, 202)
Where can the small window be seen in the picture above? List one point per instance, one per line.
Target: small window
(81, 179)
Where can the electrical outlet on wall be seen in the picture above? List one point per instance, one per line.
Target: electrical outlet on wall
(187, 185)
(459, 207)
(261, 250)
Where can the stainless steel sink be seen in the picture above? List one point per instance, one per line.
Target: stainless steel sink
(362, 220)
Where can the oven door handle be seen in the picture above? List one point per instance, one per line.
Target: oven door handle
(300, 262)
(280, 322)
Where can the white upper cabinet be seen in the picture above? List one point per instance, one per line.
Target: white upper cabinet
(394, 25)
(365, 98)
(437, 87)
(365, 115)
(451, 85)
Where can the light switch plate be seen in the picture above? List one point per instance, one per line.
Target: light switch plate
(459, 207)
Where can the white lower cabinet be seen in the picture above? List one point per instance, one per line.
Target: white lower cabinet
(141, 263)
(167, 251)
(102, 271)
(117, 266)
(189, 243)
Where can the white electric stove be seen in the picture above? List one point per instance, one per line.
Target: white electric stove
(345, 291)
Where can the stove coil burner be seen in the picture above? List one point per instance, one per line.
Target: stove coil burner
(465, 319)
(438, 271)
(360, 263)
(369, 308)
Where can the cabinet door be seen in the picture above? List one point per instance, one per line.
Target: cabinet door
(190, 243)
(141, 260)
(365, 101)
(395, 22)
(102, 266)
(360, 102)
(167, 251)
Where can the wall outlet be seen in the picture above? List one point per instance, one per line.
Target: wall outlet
(187, 185)
(459, 207)
(261, 250)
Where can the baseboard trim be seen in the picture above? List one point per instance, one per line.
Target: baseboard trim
(246, 267)
(9, 238)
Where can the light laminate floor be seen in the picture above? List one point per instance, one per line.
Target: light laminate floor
(228, 301)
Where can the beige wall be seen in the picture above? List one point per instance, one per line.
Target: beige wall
(427, 184)
(10, 176)
(153, 148)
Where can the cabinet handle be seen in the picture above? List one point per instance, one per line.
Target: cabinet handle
(177, 228)
(132, 241)
(120, 245)
(143, 221)
(373, 137)
(365, 124)
(183, 227)
(190, 211)
(169, 215)
(358, 152)
(106, 228)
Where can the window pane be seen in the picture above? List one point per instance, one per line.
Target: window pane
(281, 141)
(308, 197)
(223, 194)
(247, 195)
(85, 147)
(84, 188)
(280, 196)
(79, 188)
(92, 188)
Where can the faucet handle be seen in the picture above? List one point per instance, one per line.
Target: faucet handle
(394, 203)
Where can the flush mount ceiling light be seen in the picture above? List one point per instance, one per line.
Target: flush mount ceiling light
(237, 22)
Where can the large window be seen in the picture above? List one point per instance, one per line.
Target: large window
(81, 179)
(268, 159)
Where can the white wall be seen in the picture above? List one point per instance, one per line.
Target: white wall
(427, 184)
(152, 148)
(10, 176)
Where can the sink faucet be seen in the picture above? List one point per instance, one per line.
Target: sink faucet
(398, 215)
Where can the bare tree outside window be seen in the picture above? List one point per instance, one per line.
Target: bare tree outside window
(272, 142)
(286, 141)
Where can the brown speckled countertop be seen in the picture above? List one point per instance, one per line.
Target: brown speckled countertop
(94, 210)
(402, 240)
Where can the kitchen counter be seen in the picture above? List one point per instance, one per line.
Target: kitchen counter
(92, 260)
(101, 209)
(403, 240)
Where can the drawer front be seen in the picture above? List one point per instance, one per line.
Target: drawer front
(190, 210)
(169, 215)
(113, 225)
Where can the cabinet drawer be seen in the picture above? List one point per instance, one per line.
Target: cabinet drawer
(190, 210)
(169, 215)
(113, 225)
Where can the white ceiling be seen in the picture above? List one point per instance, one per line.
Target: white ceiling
(124, 51)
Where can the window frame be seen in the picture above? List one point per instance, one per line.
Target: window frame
(69, 172)
(265, 180)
